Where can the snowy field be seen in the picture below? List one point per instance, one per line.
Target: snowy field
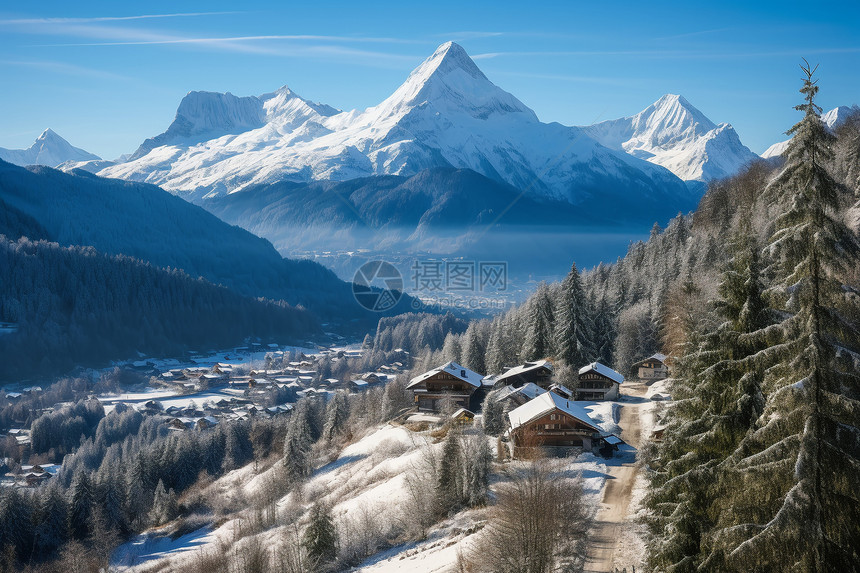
(370, 477)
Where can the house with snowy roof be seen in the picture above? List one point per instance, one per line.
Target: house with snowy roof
(538, 372)
(451, 384)
(521, 395)
(652, 368)
(598, 382)
(552, 421)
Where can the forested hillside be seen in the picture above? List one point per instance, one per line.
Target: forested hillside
(757, 469)
(145, 222)
(77, 307)
(755, 297)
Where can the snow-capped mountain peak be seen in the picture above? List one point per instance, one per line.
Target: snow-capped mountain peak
(204, 115)
(673, 133)
(671, 118)
(49, 149)
(837, 116)
(450, 81)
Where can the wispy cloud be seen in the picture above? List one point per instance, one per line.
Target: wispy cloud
(65, 68)
(675, 54)
(235, 39)
(574, 53)
(97, 19)
(697, 33)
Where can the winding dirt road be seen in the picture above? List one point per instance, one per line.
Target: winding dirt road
(610, 518)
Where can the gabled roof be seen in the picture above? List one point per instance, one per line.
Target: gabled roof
(454, 369)
(530, 391)
(562, 391)
(463, 411)
(526, 367)
(546, 403)
(658, 356)
(604, 371)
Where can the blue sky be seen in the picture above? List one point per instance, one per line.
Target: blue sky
(106, 75)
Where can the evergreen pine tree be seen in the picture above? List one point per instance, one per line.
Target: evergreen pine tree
(449, 478)
(52, 521)
(298, 442)
(111, 498)
(164, 505)
(320, 538)
(477, 458)
(337, 412)
(604, 331)
(81, 500)
(474, 351)
(794, 504)
(495, 359)
(574, 327)
(492, 415)
(539, 325)
(716, 399)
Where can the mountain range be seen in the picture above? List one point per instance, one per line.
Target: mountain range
(49, 149)
(447, 159)
(446, 114)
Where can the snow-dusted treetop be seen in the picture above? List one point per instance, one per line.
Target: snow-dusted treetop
(832, 119)
(49, 149)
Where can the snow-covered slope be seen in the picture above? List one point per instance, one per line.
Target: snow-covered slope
(832, 119)
(49, 149)
(446, 114)
(672, 133)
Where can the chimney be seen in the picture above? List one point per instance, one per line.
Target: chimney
(463, 373)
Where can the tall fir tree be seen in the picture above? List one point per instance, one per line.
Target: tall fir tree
(337, 412)
(449, 478)
(716, 400)
(81, 500)
(539, 325)
(52, 528)
(794, 504)
(320, 538)
(574, 326)
(604, 330)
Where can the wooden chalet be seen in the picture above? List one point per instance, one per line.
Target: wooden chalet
(538, 373)
(598, 382)
(463, 416)
(652, 368)
(552, 421)
(448, 383)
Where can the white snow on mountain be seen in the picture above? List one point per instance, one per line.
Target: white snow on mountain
(49, 149)
(832, 119)
(672, 133)
(446, 113)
